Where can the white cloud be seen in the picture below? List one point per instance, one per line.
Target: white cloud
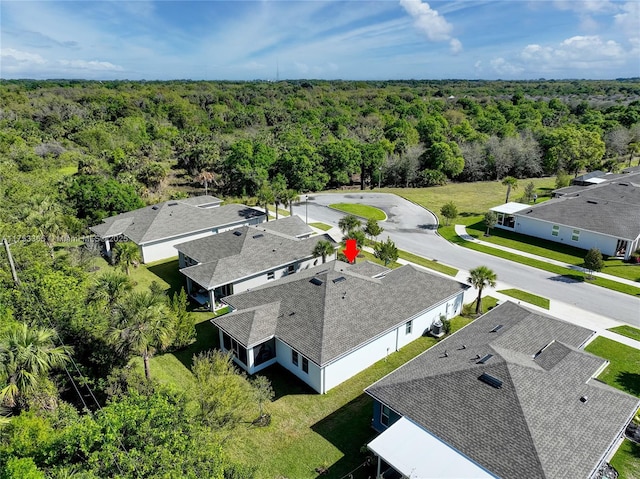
(431, 23)
(629, 20)
(503, 67)
(456, 46)
(11, 54)
(586, 6)
(576, 52)
(93, 65)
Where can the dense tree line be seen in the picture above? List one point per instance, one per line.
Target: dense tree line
(74, 152)
(155, 138)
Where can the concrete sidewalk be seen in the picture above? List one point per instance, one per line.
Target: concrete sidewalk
(462, 232)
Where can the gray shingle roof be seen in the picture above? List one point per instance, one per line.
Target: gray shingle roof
(173, 218)
(243, 252)
(611, 208)
(535, 424)
(368, 268)
(326, 320)
(290, 226)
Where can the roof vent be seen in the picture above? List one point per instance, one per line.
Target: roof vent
(340, 279)
(316, 281)
(485, 359)
(155, 207)
(591, 202)
(584, 398)
(490, 380)
(497, 328)
(623, 184)
(173, 203)
(237, 233)
(260, 235)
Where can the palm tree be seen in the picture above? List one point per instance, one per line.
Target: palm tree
(141, 326)
(289, 198)
(511, 183)
(323, 248)
(27, 355)
(480, 278)
(348, 223)
(45, 216)
(126, 255)
(110, 288)
(205, 177)
(265, 197)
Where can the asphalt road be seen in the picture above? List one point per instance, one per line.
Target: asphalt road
(413, 229)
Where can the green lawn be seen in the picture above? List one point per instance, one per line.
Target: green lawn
(281, 211)
(473, 200)
(628, 331)
(360, 210)
(549, 249)
(427, 263)
(370, 257)
(321, 226)
(448, 232)
(627, 460)
(623, 371)
(309, 430)
(527, 297)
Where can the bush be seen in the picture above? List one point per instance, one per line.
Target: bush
(635, 257)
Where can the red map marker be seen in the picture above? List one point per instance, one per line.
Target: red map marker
(351, 251)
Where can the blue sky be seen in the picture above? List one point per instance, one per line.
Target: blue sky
(385, 39)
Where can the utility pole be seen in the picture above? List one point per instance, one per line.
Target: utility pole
(306, 209)
(11, 264)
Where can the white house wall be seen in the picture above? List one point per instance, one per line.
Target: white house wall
(343, 369)
(360, 359)
(262, 278)
(313, 378)
(587, 240)
(163, 249)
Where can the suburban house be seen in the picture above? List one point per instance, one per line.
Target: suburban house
(156, 229)
(330, 322)
(511, 395)
(247, 257)
(605, 215)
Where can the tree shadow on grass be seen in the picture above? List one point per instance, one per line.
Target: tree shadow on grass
(168, 272)
(630, 382)
(285, 383)
(206, 338)
(348, 429)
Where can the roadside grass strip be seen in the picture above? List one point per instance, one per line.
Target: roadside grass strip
(449, 234)
(320, 226)
(628, 331)
(363, 211)
(527, 297)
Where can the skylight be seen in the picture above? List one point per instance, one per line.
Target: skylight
(485, 359)
(316, 281)
(340, 279)
(259, 235)
(490, 380)
(237, 233)
(497, 328)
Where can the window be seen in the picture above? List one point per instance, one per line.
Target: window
(271, 275)
(226, 290)
(230, 344)
(385, 412)
(291, 269)
(409, 327)
(555, 230)
(305, 365)
(294, 357)
(575, 235)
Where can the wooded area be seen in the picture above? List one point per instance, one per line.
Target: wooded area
(74, 152)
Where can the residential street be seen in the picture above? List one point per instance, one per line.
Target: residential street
(412, 228)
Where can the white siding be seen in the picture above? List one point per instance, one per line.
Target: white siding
(163, 249)
(360, 359)
(587, 239)
(343, 369)
(313, 378)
